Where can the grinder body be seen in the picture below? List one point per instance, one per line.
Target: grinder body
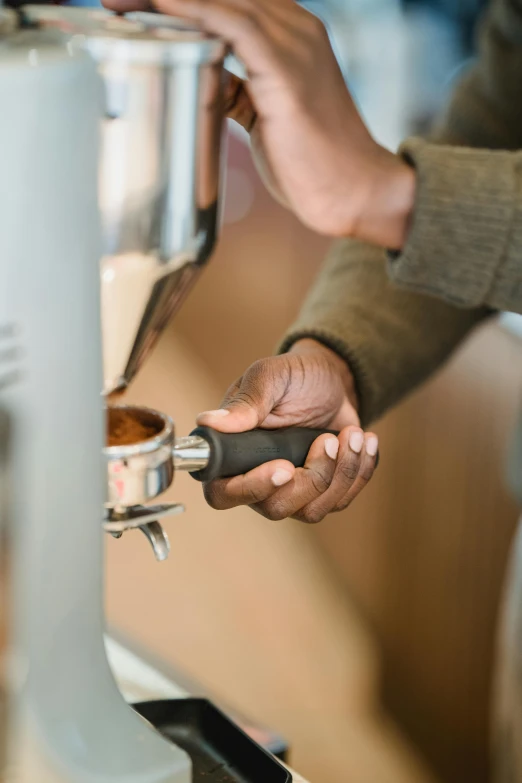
(67, 722)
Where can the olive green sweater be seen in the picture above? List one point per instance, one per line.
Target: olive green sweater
(395, 319)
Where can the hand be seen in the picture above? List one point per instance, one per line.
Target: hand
(309, 139)
(310, 386)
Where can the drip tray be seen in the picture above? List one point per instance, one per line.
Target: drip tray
(220, 751)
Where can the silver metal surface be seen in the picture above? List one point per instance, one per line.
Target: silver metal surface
(137, 516)
(136, 39)
(151, 20)
(159, 169)
(191, 453)
(158, 540)
(139, 472)
(146, 519)
(160, 174)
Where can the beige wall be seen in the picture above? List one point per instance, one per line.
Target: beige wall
(269, 614)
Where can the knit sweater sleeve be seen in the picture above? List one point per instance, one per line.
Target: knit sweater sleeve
(396, 319)
(465, 240)
(391, 339)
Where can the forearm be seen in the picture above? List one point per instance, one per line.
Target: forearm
(460, 238)
(392, 340)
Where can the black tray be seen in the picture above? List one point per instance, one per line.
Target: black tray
(220, 751)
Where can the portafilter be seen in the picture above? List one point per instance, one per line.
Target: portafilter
(142, 455)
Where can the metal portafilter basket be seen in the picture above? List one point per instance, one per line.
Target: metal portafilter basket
(143, 454)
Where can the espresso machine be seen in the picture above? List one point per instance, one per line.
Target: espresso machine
(111, 143)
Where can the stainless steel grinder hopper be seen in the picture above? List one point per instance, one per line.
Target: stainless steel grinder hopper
(159, 168)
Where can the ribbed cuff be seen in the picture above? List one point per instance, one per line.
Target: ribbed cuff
(460, 232)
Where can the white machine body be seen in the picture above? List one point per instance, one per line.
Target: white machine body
(66, 720)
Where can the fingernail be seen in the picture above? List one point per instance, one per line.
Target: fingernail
(219, 413)
(372, 445)
(356, 441)
(281, 477)
(331, 446)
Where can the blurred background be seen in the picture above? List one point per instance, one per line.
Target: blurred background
(372, 634)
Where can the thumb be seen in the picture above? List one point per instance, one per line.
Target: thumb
(238, 105)
(248, 402)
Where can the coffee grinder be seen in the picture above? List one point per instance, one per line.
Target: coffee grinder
(110, 139)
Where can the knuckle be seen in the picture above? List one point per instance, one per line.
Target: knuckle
(254, 382)
(312, 515)
(232, 391)
(348, 467)
(251, 493)
(321, 480)
(258, 369)
(342, 505)
(214, 495)
(312, 25)
(247, 397)
(367, 471)
(316, 25)
(251, 21)
(274, 510)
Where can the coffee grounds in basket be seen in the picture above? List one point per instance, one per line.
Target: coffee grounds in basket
(126, 427)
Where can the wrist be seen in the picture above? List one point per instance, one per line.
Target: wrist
(386, 212)
(310, 346)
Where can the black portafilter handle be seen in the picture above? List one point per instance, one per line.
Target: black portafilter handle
(232, 454)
